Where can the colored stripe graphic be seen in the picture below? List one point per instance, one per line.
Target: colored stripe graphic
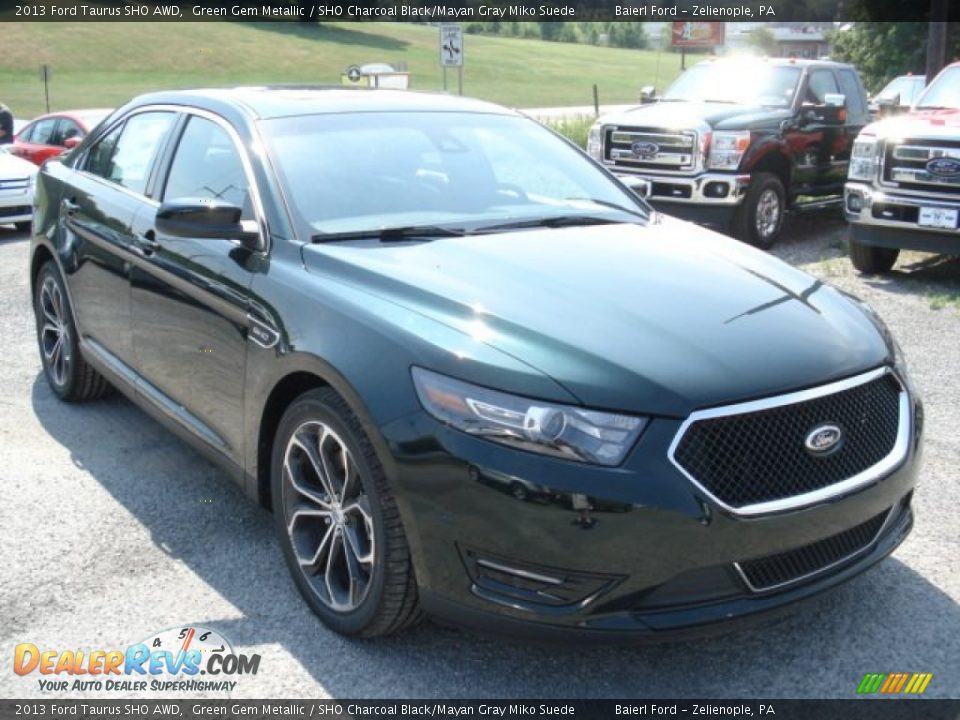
(894, 683)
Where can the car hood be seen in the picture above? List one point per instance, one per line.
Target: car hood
(925, 123)
(682, 115)
(12, 166)
(661, 319)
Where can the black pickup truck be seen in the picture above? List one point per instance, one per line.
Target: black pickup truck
(736, 143)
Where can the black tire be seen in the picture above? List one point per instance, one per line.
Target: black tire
(754, 222)
(390, 601)
(871, 260)
(69, 375)
(23, 226)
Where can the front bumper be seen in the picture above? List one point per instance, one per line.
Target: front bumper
(883, 219)
(516, 543)
(709, 198)
(16, 200)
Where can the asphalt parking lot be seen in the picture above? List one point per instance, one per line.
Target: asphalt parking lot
(112, 529)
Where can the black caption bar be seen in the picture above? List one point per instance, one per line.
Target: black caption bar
(494, 709)
(466, 10)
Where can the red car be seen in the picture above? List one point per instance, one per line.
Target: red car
(52, 134)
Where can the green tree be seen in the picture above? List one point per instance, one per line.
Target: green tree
(764, 41)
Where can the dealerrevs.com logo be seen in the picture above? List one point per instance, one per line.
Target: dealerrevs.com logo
(192, 658)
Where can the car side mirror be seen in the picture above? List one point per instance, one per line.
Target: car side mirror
(833, 111)
(648, 94)
(71, 142)
(206, 219)
(889, 101)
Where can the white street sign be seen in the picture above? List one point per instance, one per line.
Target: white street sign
(451, 46)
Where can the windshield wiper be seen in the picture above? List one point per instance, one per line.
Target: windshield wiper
(555, 221)
(390, 234)
(611, 205)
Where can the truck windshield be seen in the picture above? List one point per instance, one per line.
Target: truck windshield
(345, 174)
(944, 92)
(754, 83)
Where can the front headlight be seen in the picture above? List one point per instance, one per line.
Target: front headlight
(727, 149)
(595, 142)
(562, 431)
(863, 159)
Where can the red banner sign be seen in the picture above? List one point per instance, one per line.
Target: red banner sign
(697, 34)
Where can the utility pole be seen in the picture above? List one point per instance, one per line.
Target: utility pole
(937, 37)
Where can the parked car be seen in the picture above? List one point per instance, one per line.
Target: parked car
(17, 179)
(897, 95)
(367, 303)
(904, 183)
(49, 135)
(736, 154)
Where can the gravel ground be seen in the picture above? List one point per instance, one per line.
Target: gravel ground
(112, 529)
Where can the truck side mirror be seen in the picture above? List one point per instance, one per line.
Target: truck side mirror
(648, 94)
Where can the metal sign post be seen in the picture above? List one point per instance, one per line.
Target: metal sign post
(45, 74)
(451, 53)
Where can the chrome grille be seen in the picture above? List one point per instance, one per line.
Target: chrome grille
(659, 149)
(753, 458)
(905, 165)
(14, 184)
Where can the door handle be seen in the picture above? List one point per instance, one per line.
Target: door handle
(147, 243)
(70, 206)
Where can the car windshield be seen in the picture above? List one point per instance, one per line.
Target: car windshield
(943, 92)
(350, 173)
(755, 83)
(905, 87)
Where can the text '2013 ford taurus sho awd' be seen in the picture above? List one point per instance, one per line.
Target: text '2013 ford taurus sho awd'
(473, 375)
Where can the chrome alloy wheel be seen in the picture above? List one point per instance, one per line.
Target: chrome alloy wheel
(54, 332)
(768, 214)
(327, 514)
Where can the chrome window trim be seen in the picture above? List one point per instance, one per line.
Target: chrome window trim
(810, 575)
(871, 474)
(220, 121)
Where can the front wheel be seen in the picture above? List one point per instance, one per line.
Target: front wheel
(872, 260)
(338, 522)
(759, 218)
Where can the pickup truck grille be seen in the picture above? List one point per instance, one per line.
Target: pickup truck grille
(909, 165)
(644, 148)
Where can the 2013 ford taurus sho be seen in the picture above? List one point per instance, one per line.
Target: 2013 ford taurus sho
(472, 374)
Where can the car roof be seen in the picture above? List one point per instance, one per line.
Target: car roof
(799, 62)
(85, 115)
(291, 100)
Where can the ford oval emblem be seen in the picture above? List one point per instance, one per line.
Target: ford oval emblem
(824, 439)
(645, 149)
(944, 167)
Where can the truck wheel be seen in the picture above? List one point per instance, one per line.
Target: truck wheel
(759, 218)
(872, 260)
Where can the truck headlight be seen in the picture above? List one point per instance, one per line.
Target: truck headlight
(863, 159)
(562, 431)
(595, 142)
(727, 149)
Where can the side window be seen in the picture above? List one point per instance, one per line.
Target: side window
(819, 85)
(43, 131)
(125, 155)
(69, 129)
(207, 166)
(24, 135)
(851, 89)
(100, 155)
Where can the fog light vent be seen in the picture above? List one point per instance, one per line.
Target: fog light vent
(519, 584)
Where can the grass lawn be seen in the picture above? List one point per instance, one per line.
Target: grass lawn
(104, 64)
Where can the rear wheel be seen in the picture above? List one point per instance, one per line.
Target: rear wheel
(68, 374)
(338, 522)
(872, 260)
(759, 218)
